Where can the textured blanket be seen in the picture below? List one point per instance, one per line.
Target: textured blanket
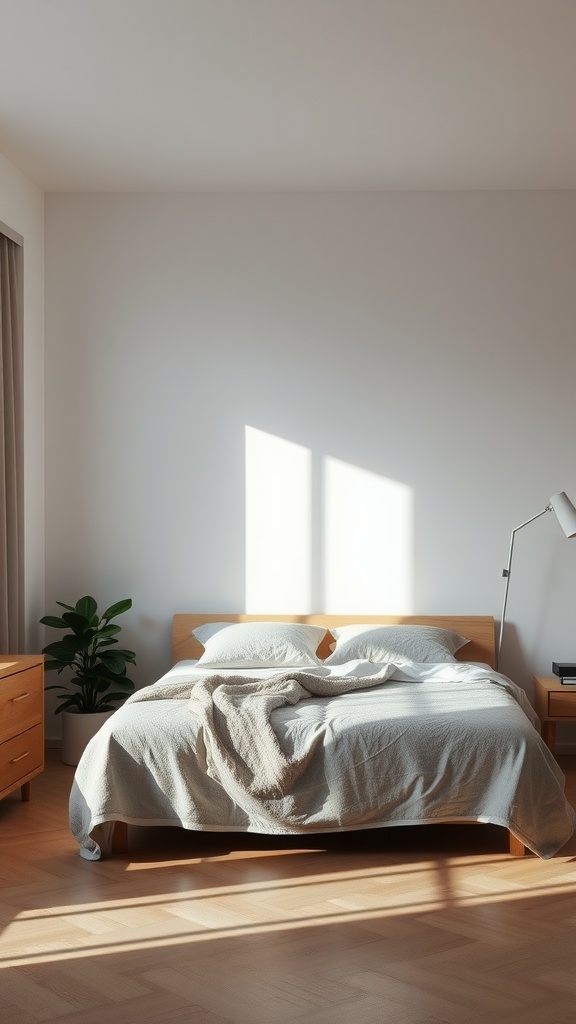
(322, 754)
(236, 742)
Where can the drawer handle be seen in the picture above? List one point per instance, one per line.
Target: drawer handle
(15, 759)
(21, 697)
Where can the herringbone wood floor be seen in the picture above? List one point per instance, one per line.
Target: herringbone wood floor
(407, 926)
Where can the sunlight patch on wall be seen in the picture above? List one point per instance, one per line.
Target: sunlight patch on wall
(342, 544)
(368, 542)
(278, 524)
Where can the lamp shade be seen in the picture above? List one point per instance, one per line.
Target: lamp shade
(565, 513)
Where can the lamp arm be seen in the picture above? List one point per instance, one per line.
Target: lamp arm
(506, 574)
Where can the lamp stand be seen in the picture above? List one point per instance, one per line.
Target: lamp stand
(506, 575)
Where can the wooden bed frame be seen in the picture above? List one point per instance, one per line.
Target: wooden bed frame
(480, 629)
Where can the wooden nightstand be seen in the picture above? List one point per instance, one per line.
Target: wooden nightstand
(555, 702)
(21, 721)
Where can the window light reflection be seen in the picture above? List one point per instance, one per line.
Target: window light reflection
(278, 524)
(368, 541)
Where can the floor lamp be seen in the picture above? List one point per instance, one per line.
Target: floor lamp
(566, 516)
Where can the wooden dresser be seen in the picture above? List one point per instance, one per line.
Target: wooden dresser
(21, 721)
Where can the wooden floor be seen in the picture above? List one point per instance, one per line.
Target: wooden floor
(403, 926)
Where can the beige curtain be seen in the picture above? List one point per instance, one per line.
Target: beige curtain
(11, 455)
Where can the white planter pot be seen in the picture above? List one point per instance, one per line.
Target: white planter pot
(77, 731)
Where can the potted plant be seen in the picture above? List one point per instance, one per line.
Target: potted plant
(99, 682)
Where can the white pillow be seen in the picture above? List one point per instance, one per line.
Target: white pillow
(259, 644)
(394, 644)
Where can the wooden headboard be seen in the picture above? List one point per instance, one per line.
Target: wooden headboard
(478, 628)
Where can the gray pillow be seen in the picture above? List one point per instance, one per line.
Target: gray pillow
(394, 644)
(259, 644)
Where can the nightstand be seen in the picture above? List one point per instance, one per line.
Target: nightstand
(21, 721)
(555, 702)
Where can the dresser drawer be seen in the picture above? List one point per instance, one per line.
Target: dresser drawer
(20, 756)
(21, 702)
(562, 705)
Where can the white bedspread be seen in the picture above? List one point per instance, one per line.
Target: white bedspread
(433, 743)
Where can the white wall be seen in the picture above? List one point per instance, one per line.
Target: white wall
(424, 339)
(22, 210)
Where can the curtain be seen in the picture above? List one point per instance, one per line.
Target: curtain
(11, 454)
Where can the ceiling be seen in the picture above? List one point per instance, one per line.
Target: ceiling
(274, 95)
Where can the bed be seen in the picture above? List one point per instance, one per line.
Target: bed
(313, 724)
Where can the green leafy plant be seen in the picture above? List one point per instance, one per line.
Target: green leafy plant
(99, 681)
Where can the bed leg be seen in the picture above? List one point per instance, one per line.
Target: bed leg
(119, 843)
(517, 849)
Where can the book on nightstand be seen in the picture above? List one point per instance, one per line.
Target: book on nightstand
(566, 672)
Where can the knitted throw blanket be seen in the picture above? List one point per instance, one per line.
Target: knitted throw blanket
(236, 742)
